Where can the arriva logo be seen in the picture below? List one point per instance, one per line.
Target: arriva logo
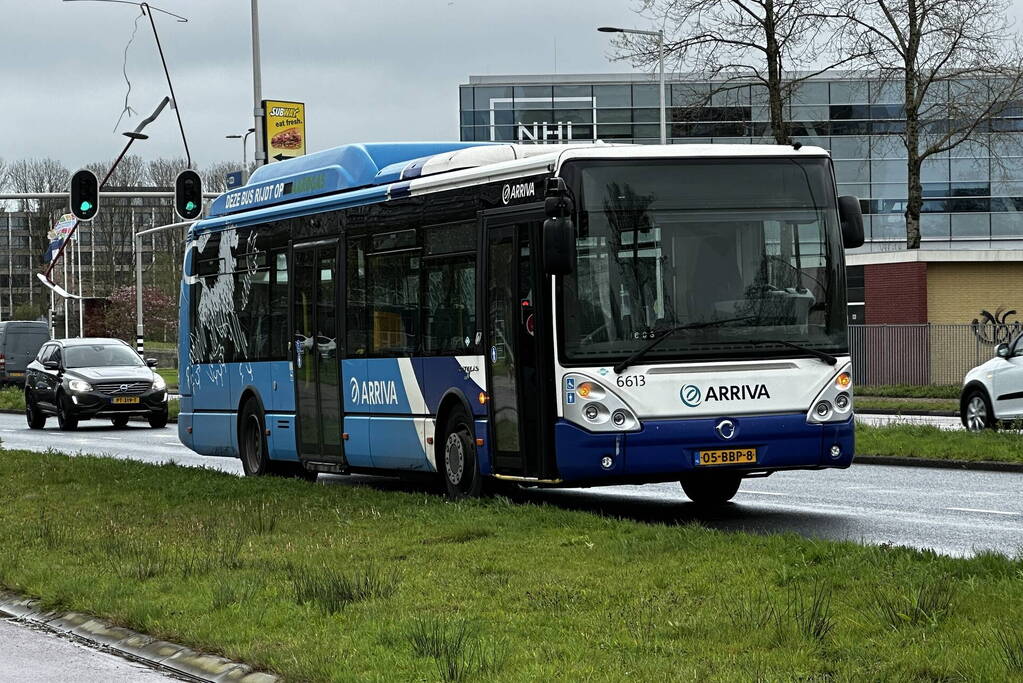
(691, 395)
(519, 191)
(373, 393)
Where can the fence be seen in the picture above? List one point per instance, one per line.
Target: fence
(922, 354)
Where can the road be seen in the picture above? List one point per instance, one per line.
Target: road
(950, 511)
(29, 655)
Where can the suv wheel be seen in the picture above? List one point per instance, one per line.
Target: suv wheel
(35, 417)
(66, 418)
(121, 421)
(158, 420)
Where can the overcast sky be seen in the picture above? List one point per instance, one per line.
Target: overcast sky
(367, 70)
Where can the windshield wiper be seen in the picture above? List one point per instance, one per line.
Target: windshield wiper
(664, 334)
(826, 357)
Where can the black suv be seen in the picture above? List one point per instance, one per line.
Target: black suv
(79, 379)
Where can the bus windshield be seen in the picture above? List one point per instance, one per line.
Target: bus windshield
(745, 252)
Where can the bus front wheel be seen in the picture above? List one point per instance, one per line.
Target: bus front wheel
(711, 488)
(460, 468)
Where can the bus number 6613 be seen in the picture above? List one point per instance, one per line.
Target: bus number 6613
(632, 381)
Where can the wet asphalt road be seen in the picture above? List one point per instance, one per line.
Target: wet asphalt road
(29, 655)
(950, 511)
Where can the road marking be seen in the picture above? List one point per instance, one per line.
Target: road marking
(111, 438)
(765, 493)
(989, 512)
(171, 443)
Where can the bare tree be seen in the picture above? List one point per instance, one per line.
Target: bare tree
(112, 233)
(776, 44)
(957, 64)
(214, 176)
(162, 172)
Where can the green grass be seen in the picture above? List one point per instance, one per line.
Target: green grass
(901, 405)
(12, 398)
(324, 583)
(910, 390)
(170, 376)
(925, 441)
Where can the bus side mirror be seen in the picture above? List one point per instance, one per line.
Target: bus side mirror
(852, 221)
(558, 230)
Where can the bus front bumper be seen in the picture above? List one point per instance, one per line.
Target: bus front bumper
(665, 450)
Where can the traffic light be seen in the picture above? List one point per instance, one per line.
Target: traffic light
(84, 195)
(188, 195)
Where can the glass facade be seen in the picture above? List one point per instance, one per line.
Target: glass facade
(973, 193)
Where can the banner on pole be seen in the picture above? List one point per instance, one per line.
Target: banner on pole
(61, 229)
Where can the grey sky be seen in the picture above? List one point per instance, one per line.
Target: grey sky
(367, 71)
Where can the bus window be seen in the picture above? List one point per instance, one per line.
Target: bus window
(279, 307)
(394, 302)
(450, 309)
(356, 298)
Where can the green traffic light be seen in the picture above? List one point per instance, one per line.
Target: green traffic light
(189, 206)
(85, 206)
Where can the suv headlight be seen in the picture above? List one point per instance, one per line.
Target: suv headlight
(158, 383)
(79, 385)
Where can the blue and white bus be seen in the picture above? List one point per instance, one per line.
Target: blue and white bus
(544, 315)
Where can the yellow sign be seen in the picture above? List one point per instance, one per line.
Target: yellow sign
(284, 129)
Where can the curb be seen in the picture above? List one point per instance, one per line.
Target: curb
(938, 464)
(159, 654)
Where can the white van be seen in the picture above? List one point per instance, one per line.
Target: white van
(20, 341)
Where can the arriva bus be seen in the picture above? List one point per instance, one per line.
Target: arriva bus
(544, 315)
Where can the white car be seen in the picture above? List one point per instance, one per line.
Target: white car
(994, 391)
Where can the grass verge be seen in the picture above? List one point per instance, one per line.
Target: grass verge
(900, 405)
(926, 441)
(326, 583)
(910, 390)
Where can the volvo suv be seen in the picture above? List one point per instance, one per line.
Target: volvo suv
(81, 379)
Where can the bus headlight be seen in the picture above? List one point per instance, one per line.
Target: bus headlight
(590, 404)
(81, 386)
(833, 403)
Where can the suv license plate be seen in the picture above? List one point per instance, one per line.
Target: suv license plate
(731, 456)
(126, 399)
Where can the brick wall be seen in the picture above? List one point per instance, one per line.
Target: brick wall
(895, 293)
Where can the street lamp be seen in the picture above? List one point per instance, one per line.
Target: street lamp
(244, 139)
(660, 59)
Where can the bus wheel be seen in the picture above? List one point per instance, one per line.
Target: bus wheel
(711, 488)
(460, 469)
(252, 441)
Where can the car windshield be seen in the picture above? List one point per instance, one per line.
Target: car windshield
(100, 356)
(746, 251)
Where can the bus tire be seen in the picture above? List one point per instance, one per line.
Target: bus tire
(710, 489)
(459, 466)
(253, 450)
(252, 446)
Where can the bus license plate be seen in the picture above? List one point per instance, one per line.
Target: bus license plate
(126, 399)
(731, 456)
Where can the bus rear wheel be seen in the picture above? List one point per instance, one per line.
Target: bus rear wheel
(255, 454)
(711, 488)
(460, 467)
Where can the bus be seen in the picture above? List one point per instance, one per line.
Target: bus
(540, 315)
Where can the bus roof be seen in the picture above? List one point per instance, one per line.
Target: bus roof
(371, 172)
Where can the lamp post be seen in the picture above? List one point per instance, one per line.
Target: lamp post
(244, 139)
(660, 59)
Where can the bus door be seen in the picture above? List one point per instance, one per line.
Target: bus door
(315, 347)
(517, 302)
